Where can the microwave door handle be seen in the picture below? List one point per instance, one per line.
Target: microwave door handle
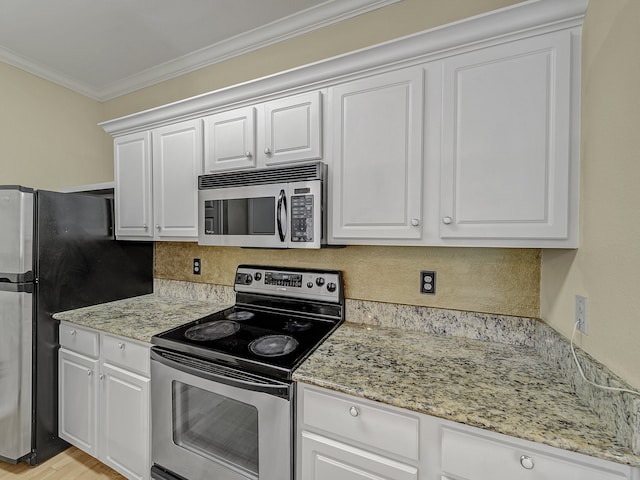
(282, 225)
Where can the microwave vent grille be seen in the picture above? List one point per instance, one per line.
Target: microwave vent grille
(237, 178)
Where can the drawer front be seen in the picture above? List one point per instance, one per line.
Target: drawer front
(381, 428)
(326, 459)
(126, 353)
(79, 340)
(469, 457)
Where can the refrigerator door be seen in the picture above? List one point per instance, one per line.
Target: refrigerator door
(77, 263)
(16, 233)
(15, 370)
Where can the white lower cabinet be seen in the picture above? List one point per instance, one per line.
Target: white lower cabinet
(104, 403)
(341, 437)
(327, 459)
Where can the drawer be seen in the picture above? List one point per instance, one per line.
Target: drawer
(474, 457)
(378, 427)
(126, 353)
(324, 458)
(79, 340)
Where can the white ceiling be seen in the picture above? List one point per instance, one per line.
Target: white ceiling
(106, 48)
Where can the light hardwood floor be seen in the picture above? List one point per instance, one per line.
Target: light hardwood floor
(72, 464)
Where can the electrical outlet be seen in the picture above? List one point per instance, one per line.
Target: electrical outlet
(428, 282)
(581, 311)
(197, 266)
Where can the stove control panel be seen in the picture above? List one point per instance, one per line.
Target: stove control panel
(325, 285)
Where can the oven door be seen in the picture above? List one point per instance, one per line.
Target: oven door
(280, 215)
(252, 216)
(215, 422)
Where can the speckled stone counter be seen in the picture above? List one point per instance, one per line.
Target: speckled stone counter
(500, 387)
(140, 317)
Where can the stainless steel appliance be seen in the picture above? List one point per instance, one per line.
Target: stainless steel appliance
(222, 396)
(57, 252)
(279, 207)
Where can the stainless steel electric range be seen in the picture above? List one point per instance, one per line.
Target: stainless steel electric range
(222, 395)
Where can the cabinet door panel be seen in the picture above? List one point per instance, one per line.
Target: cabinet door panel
(478, 458)
(133, 195)
(125, 424)
(506, 130)
(230, 140)
(78, 400)
(177, 162)
(377, 125)
(292, 129)
(326, 459)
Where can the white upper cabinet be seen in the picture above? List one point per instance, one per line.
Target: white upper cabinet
(292, 129)
(133, 194)
(156, 183)
(509, 168)
(467, 134)
(376, 134)
(280, 131)
(230, 140)
(177, 162)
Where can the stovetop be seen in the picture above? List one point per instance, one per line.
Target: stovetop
(280, 317)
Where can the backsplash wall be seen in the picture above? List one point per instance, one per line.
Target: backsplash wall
(488, 280)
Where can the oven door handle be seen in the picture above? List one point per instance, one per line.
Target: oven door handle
(282, 202)
(271, 387)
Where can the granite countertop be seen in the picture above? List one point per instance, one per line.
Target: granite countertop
(503, 388)
(140, 317)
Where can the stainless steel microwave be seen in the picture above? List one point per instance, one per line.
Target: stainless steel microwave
(279, 207)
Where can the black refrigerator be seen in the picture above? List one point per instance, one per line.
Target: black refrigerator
(57, 252)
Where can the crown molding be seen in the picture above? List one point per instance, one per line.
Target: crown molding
(521, 20)
(297, 24)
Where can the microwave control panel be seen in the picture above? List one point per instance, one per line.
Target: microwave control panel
(302, 218)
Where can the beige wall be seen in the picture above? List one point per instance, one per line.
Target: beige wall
(48, 134)
(492, 280)
(400, 19)
(606, 267)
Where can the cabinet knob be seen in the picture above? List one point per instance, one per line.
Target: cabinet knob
(158, 227)
(353, 411)
(121, 345)
(145, 227)
(101, 376)
(267, 151)
(447, 220)
(415, 222)
(247, 154)
(89, 372)
(526, 462)
(73, 333)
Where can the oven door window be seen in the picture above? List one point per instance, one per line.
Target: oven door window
(216, 427)
(240, 216)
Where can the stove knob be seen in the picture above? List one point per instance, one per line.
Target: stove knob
(248, 279)
(309, 284)
(331, 287)
(319, 281)
(258, 276)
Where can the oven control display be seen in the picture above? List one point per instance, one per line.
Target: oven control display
(283, 279)
(302, 218)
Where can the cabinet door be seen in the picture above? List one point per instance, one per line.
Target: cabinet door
(292, 129)
(376, 151)
(474, 457)
(133, 194)
(78, 400)
(177, 162)
(230, 140)
(124, 422)
(327, 459)
(506, 163)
